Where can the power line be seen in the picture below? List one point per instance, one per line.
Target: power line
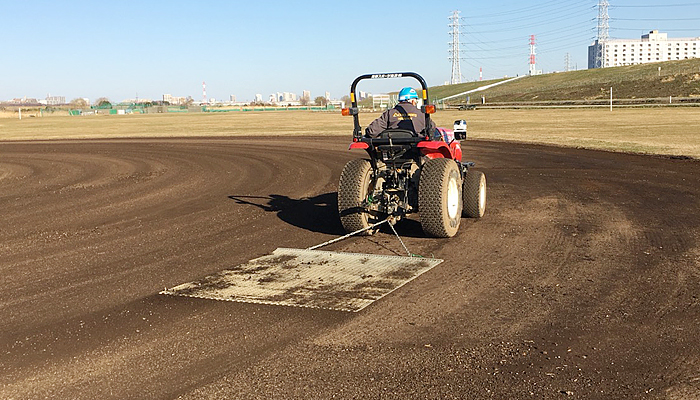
(659, 5)
(646, 29)
(542, 43)
(528, 26)
(521, 10)
(655, 19)
(489, 44)
(523, 27)
(553, 32)
(530, 18)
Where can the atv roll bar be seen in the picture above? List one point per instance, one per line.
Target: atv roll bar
(354, 111)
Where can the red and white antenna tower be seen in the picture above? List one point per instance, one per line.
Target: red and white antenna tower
(204, 92)
(481, 74)
(533, 68)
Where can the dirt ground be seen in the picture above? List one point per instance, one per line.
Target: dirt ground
(581, 281)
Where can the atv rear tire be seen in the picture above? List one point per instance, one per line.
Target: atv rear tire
(353, 190)
(439, 197)
(474, 194)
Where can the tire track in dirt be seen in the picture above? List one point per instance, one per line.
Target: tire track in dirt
(551, 292)
(86, 227)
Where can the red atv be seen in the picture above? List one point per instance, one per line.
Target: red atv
(409, 172)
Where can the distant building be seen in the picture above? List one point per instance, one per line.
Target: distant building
(25, 101)
(337, 103)
(360, 95)
(232, 98)
(306, 95)
(55, 100)
(139, 101)
(286, 98)
(173, 100)
(652, 47)
(258, 98)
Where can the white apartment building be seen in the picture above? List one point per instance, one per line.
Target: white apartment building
(653, 47)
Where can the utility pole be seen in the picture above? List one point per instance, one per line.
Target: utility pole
(611, 99)
(454, 50)
(603, 32)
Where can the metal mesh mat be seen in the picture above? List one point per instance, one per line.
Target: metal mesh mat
(309, 278)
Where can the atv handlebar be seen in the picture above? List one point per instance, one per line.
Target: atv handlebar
(354, 111)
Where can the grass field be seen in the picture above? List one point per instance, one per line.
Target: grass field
(668, 131)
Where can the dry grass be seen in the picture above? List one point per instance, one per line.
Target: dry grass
(670, 131)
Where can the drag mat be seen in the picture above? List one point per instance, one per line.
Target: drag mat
(309, 278)
(581, 280)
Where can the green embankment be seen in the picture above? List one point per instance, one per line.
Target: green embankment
(678, 79)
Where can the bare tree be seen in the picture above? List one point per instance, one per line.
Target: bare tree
(103, 102)
(320, 101)
(78, 103)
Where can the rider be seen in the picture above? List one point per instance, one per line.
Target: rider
(405, 115)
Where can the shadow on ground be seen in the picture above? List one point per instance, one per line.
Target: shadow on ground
(315, 214)
(318, 213)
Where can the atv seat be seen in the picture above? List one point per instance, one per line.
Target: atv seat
(394, 137)
(397, 133)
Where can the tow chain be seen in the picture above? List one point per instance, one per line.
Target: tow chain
(402, 244)
(362, 230)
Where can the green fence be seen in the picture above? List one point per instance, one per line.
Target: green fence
(139, 109)
(265, 108)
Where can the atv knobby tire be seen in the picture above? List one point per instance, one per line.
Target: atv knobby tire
(440, 197)
(474, 194)
(353, 189)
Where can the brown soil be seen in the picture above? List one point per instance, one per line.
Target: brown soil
(582, 280)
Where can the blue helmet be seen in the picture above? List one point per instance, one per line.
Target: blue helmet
(407, 93)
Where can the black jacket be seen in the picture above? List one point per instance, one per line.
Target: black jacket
(403, 116)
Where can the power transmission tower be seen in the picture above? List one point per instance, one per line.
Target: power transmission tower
(454, 51)
(567, 62)
(603, 31)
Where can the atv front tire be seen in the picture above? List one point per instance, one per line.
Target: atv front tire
(440, 197)
(353, 197)
(474, 194)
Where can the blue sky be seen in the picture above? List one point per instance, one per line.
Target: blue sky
(121, 49)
